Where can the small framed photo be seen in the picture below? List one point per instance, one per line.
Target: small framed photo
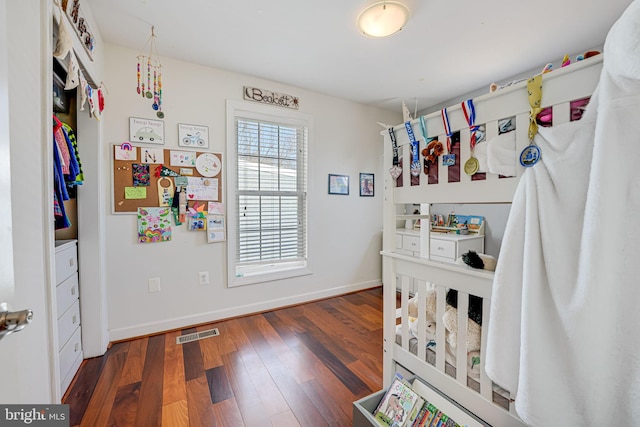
(194, 136)
(146, 131)
(339, 184)
(367, 185)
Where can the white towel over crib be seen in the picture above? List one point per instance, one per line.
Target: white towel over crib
(563, 329)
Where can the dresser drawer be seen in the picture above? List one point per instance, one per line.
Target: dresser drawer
(411, 243)
(443, 248)
(68, 323)
(398, 241)
(66, 261)
(67, 293)
(73, 369)
(70, 353)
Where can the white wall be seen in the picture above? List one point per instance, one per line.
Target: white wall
(344, 232)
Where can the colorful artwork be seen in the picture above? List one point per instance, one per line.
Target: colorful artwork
(125, 153)
(140, 175)
(183, 158)
(152, 155)
(154, 225)
(202, 189)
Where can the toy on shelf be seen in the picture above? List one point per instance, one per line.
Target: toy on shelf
(458, 224)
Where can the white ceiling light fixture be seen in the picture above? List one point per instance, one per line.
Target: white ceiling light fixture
(383, 18)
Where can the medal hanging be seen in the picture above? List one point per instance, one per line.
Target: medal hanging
(472, 165)
(531, 154)
(153, 65)
(415, 160)
(423, 131)
(395, 170)
(448, 159)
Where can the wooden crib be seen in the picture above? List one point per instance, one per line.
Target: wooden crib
(404, 274)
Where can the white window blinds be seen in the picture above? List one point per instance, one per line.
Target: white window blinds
(270, 195)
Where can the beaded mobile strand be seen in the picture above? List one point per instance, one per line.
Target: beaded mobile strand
(153, 63)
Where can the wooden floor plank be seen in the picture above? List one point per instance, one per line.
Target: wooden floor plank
(280, 348)
(192, 357)
(304, 410)
(101, 403)
(219, 386)
(227, 413)
(353, 338)
(247, 396)
(371, 377)
(132, 372)
(330, 383)
(210, 349)
(335, 365)
(199, 403)
(151, 389)
(297, 366)
(270, 395)
(176, 414)
(326, 405)
(284, 419)
(125, 406)
(312, 327)
(174, 387)
(79, 395)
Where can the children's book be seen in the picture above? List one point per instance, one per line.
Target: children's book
(397, 404)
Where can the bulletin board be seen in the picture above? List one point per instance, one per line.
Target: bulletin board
(138, 170)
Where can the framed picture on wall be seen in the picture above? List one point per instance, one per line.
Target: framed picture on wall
(146, 131)
(339, 184)
(367, 185)
(195, 136)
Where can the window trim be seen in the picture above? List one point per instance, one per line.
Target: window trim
(245, 109)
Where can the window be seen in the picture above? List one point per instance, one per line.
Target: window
(267, 193)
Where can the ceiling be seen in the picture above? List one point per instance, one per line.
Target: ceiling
(447, 49)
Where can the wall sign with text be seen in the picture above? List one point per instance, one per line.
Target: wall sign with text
(272, 98)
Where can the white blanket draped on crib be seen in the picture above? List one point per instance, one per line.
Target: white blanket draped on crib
(565, 311)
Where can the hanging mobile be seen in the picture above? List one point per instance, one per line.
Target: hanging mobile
(472, 165)
(153, 65)
(155, 91)
(160, 114)
(448, 159)
(531, 154)
(138, 88)
(148, 92)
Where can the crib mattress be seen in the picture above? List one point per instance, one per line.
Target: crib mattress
(500, 395)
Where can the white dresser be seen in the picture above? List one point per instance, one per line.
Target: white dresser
(448, 247)
(408, 242)
(67, 311)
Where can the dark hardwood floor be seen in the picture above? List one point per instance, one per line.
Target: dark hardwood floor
(296, 366)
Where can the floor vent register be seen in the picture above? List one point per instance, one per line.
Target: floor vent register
(197, 336)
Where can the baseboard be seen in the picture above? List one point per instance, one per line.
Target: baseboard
(227, 313)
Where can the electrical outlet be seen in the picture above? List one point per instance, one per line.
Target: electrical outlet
(203, 277)
(154, 284)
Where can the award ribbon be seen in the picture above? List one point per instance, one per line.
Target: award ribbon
(472, 165)
(448, 159)
(415, 160)
(531, 154)
(423, 131)
(395, 170)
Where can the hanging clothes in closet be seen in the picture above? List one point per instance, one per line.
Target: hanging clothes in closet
(67, 169)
